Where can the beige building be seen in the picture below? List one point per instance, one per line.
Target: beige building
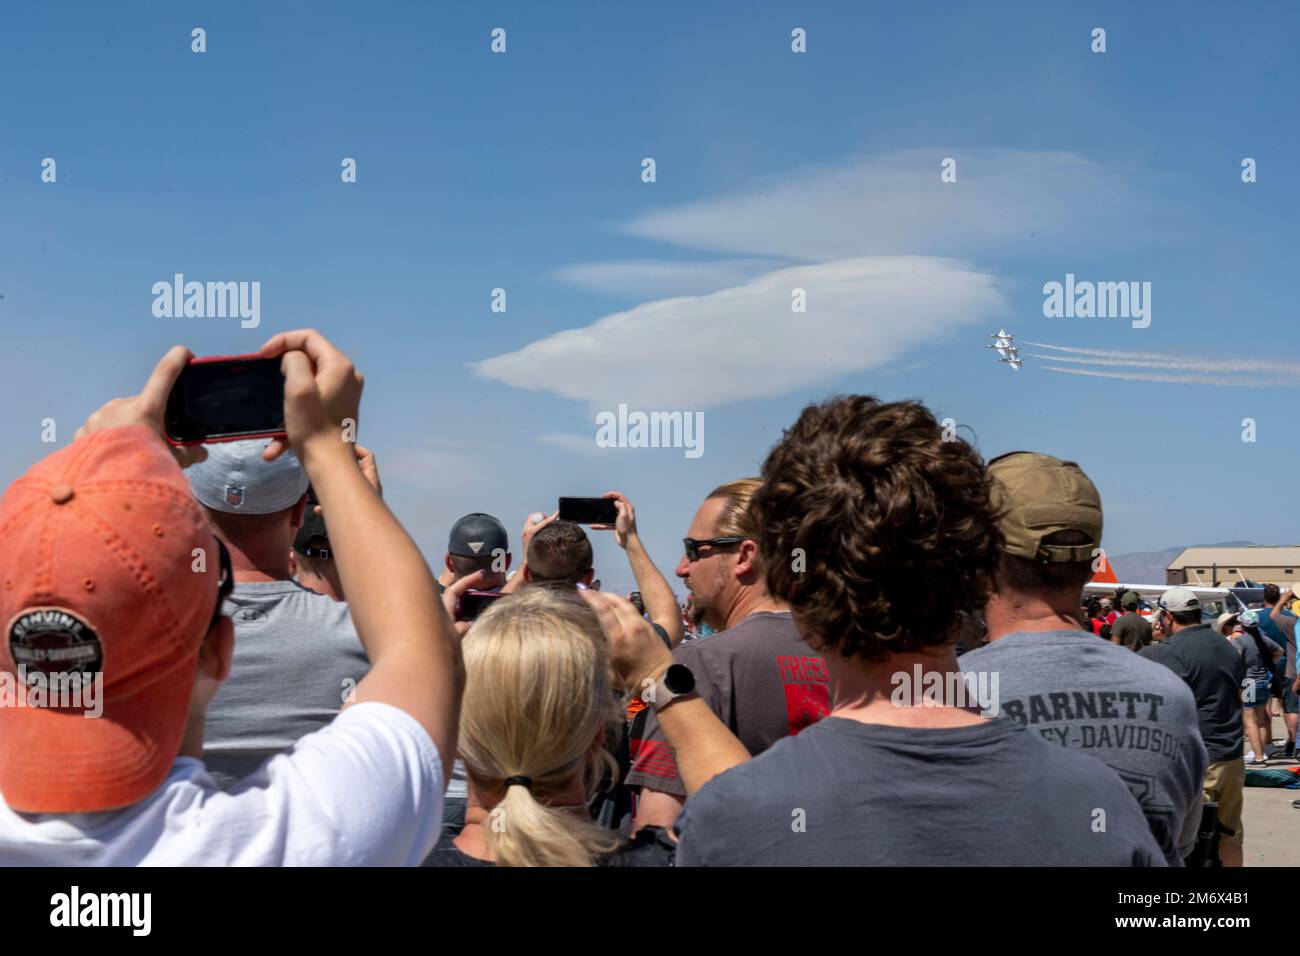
(1211, 567)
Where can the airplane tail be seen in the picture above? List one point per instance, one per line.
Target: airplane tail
(1105, 574)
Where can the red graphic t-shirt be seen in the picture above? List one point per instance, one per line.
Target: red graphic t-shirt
(761, 680)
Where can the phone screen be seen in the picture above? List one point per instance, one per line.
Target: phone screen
(237, 397)
(474, 603)
(588, 510)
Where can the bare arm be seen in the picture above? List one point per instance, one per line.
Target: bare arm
(413, 649)
(703, 745)
(654, 808)
(656, 593)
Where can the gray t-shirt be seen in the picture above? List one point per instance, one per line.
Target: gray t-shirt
(1257, 668)
(844, 793)
(295, 652)
(1104, 700)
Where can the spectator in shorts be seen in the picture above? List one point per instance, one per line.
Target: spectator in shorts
(1277, 623)
(1061, 683)
(1214, 671)
(1131, 629)
(1259, 654)
(100, 552)
(754, 673)
(297, 654)
(899, 535)
(538, 705)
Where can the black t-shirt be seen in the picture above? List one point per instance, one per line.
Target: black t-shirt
(650, 847)
(845, 793)
(1210, 666)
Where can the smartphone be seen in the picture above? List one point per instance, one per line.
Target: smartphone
(474, 603)
(588, 510)
(226, 398)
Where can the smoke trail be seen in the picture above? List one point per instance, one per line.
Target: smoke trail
(1178, 379)
(1119, 359)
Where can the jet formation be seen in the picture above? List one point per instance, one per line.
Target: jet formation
(1005, 344)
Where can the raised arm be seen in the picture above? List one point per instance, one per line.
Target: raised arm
(702, 743)
(414, 651)
(660, 602)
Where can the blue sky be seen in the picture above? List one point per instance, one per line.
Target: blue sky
(523, 171)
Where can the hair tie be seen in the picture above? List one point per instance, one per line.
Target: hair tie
(525, 782)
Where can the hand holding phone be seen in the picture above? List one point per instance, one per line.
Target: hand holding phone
(226, 398)
(322, 393)
(148, 408)
(474, 603)
(588, 510)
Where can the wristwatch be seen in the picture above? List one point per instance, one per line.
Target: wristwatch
(677, 681)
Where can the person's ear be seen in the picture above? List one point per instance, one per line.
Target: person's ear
(589, 576)
(528, 575)
(446, 561)
(509, 557)
(746, 558)
(218, 650)
(295, 520)
(293, 563)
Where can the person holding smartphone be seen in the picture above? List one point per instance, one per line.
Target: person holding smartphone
(127, 590)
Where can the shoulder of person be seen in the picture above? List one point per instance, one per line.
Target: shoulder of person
(364, 789)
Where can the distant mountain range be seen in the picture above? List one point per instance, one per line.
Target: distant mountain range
(1148, 567)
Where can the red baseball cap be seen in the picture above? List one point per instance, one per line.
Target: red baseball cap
(98, 574)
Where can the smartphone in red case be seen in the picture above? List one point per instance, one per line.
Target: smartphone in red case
(226, 398)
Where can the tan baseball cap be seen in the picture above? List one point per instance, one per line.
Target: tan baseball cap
(1038, 495)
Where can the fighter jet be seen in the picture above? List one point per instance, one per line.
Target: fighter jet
(1005, 344)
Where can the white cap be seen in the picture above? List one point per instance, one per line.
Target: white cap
(1180, 599)
(235, 479)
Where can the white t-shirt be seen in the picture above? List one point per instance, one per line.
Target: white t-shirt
(365, 790)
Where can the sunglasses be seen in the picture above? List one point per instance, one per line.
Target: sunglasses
(693, 546)
(225, 585)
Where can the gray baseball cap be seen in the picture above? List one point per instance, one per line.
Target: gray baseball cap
(235, 479)
(477, 535)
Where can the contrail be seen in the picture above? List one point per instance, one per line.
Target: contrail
(1179, 379)
(1129, 359)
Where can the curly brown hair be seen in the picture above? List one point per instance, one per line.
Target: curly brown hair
(898, 533)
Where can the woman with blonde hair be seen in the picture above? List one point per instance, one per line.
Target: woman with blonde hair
(539, 701)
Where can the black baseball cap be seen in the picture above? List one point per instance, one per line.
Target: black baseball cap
(312, 540)
(477, 535)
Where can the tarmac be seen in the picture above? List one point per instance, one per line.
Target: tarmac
(1271, 824)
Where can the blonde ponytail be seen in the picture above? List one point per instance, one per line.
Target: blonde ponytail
(537, 694)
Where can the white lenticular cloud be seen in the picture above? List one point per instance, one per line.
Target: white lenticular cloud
(745, 342)
(657, 278)
(894, 203)
(582, 444)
